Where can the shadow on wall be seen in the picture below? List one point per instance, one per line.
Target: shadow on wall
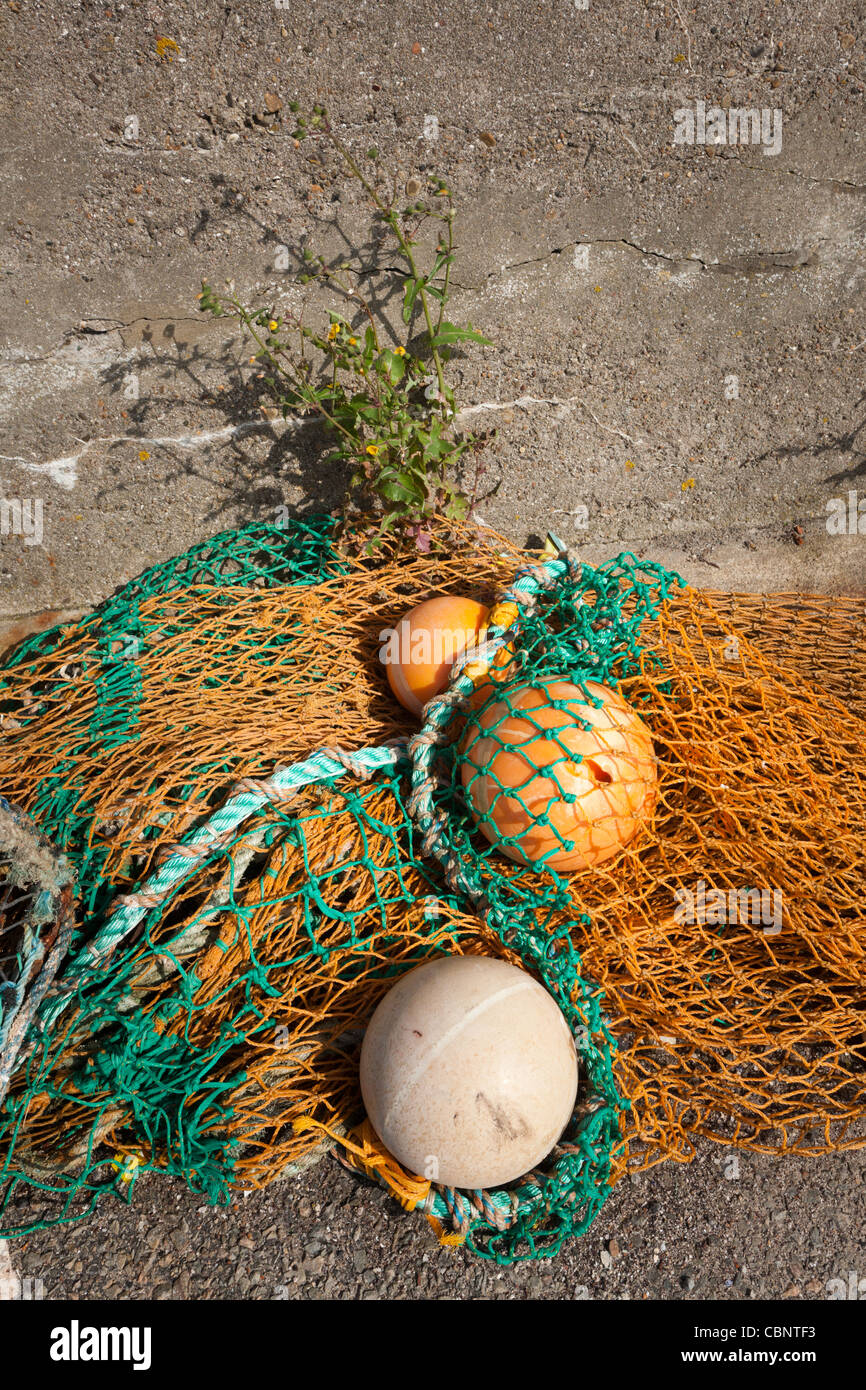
(835, 444)
(245, 482)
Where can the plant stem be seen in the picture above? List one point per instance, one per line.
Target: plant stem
(442, 301)
(297, 383)
(394, 224)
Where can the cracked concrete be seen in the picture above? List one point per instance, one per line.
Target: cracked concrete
(678, 349)
(758, 263)
(694, 380)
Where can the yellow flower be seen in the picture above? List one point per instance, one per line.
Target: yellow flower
(273, 325)
(144, 455)
(400, 352)
(372, 450)
(333, 331)
(353, 342)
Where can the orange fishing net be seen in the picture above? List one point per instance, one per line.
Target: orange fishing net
(728, 940)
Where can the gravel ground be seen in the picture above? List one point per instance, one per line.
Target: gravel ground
(714, 1229)
(679, 337)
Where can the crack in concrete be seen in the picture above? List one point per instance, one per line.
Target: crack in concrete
(98, 327)
(568, 402)
(754, 263)
(797, 174)
(63, 471)
(757, 263)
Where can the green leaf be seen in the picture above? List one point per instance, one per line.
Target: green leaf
(434, 449)
(391, 366)
(349, 415)
(410, 294)
(443, 258)
(449, 333)
(399, 492)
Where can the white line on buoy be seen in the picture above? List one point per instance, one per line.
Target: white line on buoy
(8, 1277)
(448, 1037)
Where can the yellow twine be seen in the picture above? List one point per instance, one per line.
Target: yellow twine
(370, 1156)
(366, 1151)
(504, 615)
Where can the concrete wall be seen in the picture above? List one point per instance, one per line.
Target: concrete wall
(679, 329)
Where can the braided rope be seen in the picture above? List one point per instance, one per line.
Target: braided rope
(503, 1208)
(47, 929)
(250, 795)
(467, 673)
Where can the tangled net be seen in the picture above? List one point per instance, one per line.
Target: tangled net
(211, 1027)
(35, 927)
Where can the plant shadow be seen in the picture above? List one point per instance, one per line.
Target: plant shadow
(836, 445)
(235, 413)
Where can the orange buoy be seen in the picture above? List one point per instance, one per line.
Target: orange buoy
(421, 650)
(547, 790)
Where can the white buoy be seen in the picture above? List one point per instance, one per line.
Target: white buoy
(468, 1071)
